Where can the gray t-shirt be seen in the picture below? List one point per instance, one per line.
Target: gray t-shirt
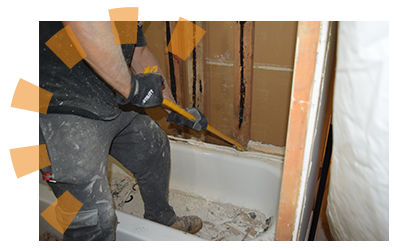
(79, 90)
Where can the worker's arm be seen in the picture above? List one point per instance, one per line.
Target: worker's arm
(142, 57)
(103, 56)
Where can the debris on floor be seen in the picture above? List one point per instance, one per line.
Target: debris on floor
(126, 193)
(221, 221)
(46, 236)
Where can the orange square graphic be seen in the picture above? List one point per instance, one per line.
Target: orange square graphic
(26, 96)
(44, 100)
(124, 24)
(62, 212)
(125, 32)
(27, 160)
(44, 159)
(124, 14)
(30, 97)
(185, 38)
(67, 47)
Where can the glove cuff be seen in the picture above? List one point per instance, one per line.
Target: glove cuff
(134, 91)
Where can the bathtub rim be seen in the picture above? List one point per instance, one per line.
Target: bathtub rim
(204, 146)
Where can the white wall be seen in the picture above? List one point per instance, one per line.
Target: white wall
(358, 200)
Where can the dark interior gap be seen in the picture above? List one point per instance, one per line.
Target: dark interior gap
(171, 63)
(321, 188)
(242, 80)
(194, 72)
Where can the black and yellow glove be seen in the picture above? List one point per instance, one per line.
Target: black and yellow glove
(146, 91)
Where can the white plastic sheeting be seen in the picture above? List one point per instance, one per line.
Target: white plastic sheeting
(358, 200)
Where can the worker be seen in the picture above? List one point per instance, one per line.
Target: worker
(97, 109)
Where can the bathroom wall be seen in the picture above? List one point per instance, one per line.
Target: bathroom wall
(273, 59)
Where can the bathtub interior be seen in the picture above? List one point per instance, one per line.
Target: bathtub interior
(204, 176)
(245, 179)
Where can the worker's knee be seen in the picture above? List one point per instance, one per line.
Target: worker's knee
(159, 143)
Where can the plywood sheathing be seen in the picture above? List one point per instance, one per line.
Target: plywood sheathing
(270, 108)
(218, 45)
(274, 49)
(307, 43)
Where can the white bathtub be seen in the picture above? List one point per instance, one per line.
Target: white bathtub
(244, 179)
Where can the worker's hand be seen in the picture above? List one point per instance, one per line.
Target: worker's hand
(198, 124)
(146, 91)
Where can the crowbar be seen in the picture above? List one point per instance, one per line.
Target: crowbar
(174, 107)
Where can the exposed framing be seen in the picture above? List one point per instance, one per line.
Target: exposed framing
(308, 35)
(195, 74)
(243, 80)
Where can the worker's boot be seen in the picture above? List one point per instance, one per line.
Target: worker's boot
(189, 224)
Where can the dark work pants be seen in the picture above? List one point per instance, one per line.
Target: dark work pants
(78, 149)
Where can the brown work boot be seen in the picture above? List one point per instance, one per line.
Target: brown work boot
(189, 224)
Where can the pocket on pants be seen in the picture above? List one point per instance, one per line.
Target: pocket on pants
(85, 219)
(86, 227)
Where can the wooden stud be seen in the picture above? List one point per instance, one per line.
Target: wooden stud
(243, 80)
(177, 71)
(195, 82)
(179, 77)
(195, 64)
(308, 38)
(173, 75)
(195, 75)
(200, 72)
(167, 74)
